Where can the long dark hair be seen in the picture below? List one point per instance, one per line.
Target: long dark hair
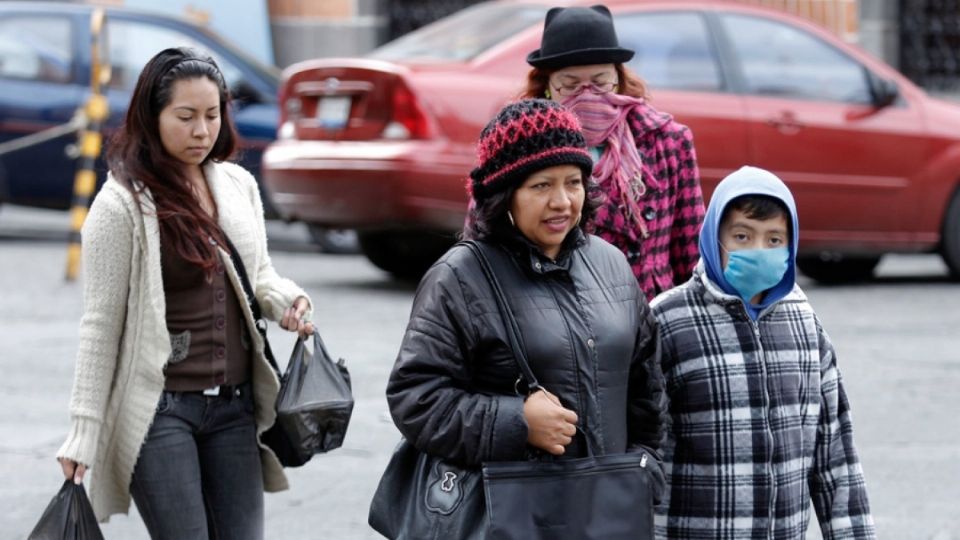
(138, 160)
(488, 219)
(630, 83)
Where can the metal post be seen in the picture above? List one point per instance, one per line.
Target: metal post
(96, 111)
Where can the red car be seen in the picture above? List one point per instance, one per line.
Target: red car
(383, 144)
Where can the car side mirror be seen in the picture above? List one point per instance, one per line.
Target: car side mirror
(884, 91)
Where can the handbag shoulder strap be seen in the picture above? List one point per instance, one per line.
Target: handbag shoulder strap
(509, 321)
(252, 301)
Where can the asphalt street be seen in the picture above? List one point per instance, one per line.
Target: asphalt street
(897, 339)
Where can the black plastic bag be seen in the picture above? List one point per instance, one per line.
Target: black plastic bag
(69, 516)
(315, 400)
(277, 441)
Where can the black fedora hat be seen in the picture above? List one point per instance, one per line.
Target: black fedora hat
(578, 36)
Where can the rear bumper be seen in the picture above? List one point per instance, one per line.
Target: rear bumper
(369, 185)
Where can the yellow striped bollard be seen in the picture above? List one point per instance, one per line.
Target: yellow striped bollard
(85, 182)
(96, 111)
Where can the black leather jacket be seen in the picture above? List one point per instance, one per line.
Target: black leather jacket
(589, 337)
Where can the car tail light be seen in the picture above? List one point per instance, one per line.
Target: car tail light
(287, 131)
(408, 120)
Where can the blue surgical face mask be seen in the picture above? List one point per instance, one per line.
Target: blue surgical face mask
(752, 271)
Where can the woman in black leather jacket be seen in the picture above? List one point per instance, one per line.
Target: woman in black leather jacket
(456, 390)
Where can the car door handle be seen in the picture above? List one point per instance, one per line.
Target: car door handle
(785, 123)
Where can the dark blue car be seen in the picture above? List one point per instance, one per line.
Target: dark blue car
(45, 77)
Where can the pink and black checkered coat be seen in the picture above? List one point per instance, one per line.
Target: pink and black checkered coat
(672, 207)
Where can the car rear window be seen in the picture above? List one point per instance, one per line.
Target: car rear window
(463, 35)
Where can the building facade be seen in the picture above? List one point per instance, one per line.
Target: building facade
(919, 37)
(304, 29)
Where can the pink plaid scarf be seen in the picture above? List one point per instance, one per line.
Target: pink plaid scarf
(603, 118)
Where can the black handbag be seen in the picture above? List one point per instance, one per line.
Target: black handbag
(596, 497)
(315, 401)
(423, 496)
(608, 497)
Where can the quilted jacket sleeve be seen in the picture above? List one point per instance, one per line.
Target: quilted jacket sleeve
(429, 391)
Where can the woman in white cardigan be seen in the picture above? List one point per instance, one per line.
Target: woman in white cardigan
(172, 388)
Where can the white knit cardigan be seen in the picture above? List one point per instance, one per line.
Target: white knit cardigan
(124, 343)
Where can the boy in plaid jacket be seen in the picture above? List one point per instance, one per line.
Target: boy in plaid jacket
(758, 422)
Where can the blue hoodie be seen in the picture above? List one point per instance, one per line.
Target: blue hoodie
(747, 181)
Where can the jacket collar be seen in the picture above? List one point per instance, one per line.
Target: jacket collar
(531, 258)
(712, 293)
(645, 119)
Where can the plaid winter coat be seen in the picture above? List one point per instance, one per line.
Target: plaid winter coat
(672, 207)
(758, 423)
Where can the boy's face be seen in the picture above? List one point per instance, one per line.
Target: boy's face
(737, 231)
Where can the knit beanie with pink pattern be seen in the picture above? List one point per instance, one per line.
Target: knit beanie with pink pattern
(525, 137)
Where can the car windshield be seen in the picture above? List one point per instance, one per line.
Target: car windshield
(463, 35)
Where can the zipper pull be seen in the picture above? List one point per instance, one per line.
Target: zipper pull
(643, 461)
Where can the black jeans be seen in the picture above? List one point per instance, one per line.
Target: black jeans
(198, 475)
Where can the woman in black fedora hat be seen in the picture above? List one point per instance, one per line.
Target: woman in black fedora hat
(644, 160)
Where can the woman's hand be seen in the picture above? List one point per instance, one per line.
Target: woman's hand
(72, 470)
(551, 427)
(293, 318)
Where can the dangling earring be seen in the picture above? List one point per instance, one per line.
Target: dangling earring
(546, 94)
(510, 217)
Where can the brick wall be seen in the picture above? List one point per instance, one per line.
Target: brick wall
(304, 29)
(840, 16)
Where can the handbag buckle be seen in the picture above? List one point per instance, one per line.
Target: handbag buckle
(516, 386)
(527, 387)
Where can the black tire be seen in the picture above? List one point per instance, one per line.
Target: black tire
(405, 254)
(950, 240)
(831, 268)
(4, 193)
(334, 241)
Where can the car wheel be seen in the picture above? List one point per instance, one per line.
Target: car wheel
(951, 236)
(335, 241)
(832, 268)
(405, 254)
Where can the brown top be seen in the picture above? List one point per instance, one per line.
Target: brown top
(210, 342)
